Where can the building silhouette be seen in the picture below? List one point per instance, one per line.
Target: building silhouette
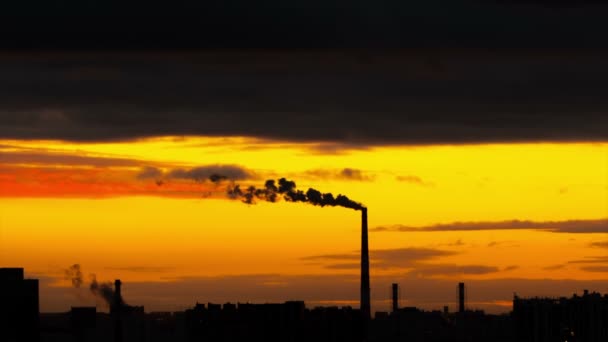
(576, 319)
(19, 306)
(83, 323)
(289, 321)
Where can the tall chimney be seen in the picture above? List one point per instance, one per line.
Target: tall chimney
(116, 309)
(460, 297)
(365, 290)
(395, 297)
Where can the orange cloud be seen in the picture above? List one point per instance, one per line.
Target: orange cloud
(93, 183)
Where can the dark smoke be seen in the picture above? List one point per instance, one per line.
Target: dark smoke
(288, 191)
(74, 274)
(104, 291)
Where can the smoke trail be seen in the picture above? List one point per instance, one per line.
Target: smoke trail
(288, 191)
(104, 291)
(74, 274)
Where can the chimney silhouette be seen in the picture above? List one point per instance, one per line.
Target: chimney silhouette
(460, 297)
(365, 290)
(395, 297)
(115, 310)
(117, 295)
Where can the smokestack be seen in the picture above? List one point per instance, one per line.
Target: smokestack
(395, 297)
(365, 290)
(117, 295)
(460, 297)
(116, 309)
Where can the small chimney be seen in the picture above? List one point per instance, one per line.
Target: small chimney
(117, 295)
(460, 297)
(365, 289)
(395, 291)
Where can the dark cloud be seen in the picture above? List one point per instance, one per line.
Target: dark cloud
(458, 242)
(336, 148)
(430, 270)
(511, 268)
(345, 266)
(600, 244)
(351, 256)
(554, 3)
(350, 174)
(383, 258)
(554, 267)
(591, 260)
(212, 172)
(149, 172)
(502, 244)
(157, 24)
(413, 179)
(142, 269)
(409, 255)
(199, 173)
(603, 269)
(337, 98)
(354, 174)
(570, 226)
(409, 179)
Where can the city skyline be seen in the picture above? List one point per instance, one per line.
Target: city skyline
(474, 132)
(424, 249)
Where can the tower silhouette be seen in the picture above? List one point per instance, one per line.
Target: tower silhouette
(365, 288)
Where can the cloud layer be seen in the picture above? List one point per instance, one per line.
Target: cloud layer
(569, 226)
(415, 261)
(346, 98)
(304, 23)
(349, 174)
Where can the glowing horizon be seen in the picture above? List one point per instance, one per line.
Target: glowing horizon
(91, 203)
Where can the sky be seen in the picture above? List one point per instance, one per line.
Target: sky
(475, 133)
(144, 211)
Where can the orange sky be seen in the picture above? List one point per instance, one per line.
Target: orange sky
(87, 203)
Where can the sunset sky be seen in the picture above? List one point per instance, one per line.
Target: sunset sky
(488, 166)
(120, 210)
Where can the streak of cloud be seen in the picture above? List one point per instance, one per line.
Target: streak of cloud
(413, 180)
(569, 226)
(348, 174)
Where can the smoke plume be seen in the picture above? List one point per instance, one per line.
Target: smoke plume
(74, 274)
(104, 291)
(287, 190)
